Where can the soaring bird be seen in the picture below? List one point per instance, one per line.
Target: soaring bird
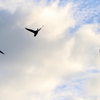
(1, 52)
(34, 31)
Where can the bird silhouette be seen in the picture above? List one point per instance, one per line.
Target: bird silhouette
(34, 31)
(1, 52)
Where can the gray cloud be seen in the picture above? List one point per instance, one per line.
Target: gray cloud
(33, 67)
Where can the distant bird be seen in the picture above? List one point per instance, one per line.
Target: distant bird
(34, 31)
(1, 52)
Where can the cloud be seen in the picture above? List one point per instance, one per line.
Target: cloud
(11, 5)
(34, 67)
(93, 85)
(87, 43)
(57, 20)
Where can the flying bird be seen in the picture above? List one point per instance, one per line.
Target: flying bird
(1, 52)
(34, 31)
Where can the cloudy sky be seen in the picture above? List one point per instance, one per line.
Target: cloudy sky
(62, 62)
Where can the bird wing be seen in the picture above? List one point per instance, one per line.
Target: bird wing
(30, 30)
(1, 52)
(40, 28)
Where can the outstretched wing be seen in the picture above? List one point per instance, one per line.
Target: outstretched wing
(30, 30)
(1, 52)
(40, 28)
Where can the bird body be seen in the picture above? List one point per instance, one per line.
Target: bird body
(34, 31)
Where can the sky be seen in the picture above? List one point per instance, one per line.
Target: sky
(62, 61)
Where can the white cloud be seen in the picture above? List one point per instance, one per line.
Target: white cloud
(11, 5)
(93, 88)
(87, 44)
(54, 18)
(33, 67)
